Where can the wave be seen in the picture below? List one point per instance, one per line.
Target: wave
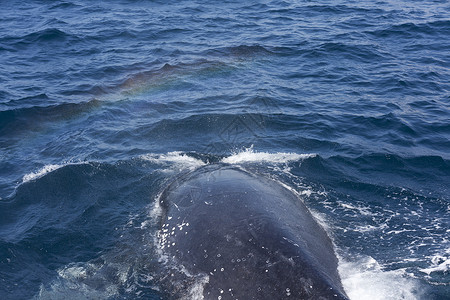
(389, 121)
(388, 162)
(26, 102)
(344, 9)
(353, 52)
(46, 37)
(240, 51)
(43, 171)
(32, 202)
(19, 119)
(166, 76)
(64, 5)
(410, 30)
(57, 196)
(67, 213)
(214, 62)
(327, 9)
(429, 172)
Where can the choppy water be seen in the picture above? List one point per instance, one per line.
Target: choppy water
(103, 102)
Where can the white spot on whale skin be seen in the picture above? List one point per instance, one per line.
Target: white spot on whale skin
(290, 241)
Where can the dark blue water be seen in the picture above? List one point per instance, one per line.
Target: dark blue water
(104, 102)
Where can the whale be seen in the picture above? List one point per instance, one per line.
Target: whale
(246, 236)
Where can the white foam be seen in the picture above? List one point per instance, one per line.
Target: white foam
(195, 291)
(75, 271)
(44, 170)
(69, 284)
(249, 155)
(363, 210)
(365, 279)
(175, 159)
(367, 228)
(178, 161)
(47, 169)
(439, 263)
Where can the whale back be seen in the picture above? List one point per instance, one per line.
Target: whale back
(251, 237)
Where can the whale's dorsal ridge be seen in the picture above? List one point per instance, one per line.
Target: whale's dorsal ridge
(252, 237)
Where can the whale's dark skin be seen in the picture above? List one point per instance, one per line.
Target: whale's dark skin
(251, 236)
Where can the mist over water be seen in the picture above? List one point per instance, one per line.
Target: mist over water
(102, 104)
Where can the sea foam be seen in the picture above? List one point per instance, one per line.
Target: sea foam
(44, 170)
(175, 159)
(365, 279)
(249, 155)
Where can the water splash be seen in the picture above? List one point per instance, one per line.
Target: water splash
(252, 156)
(365, 279)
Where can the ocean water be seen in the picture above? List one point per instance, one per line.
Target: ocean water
(102, 103)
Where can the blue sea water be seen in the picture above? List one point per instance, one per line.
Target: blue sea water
(102, 103)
